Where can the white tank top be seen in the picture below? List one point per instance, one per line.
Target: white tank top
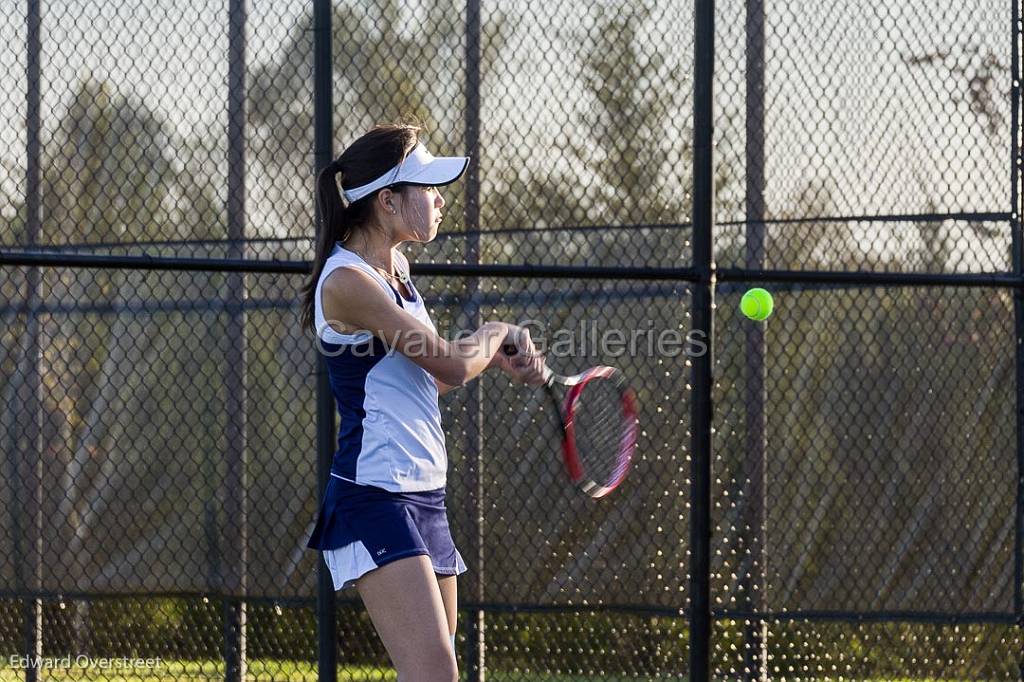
(390, 433)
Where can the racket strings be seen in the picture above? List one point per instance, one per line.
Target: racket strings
(600, 423)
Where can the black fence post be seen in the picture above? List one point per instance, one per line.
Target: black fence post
(28, 451)
(703, 321)
(755, 631)
(323, 143)
(475, 663)
(1018, 310)
(236, 480)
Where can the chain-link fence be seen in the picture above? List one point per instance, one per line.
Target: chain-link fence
(835, 493)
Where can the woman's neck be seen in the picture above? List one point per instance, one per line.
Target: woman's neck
(376, 251)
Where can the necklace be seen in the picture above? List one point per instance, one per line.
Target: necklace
(402, 276)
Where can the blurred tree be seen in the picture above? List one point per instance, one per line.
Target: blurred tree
(12, 233)
(982, 69)
(108, 177)
(392, 63)
(627, 151)
(976, 75)
(639, 141)
(111, 176)
(12, 209)
(888, 406)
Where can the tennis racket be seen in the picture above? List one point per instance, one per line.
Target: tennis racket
(598, 420)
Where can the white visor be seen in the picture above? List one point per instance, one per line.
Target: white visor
(420, 167)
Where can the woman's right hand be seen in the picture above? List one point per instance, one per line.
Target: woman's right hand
(526, 364)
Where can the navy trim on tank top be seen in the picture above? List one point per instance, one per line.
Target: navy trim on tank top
(399, 296)
(348, 366)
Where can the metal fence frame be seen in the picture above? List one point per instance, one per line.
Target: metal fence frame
(703, 276)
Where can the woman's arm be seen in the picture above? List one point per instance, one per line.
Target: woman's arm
(527, 367)
(351, 297)
(518, 373)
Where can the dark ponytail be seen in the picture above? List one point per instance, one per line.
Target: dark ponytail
(363, 161)
(333, 228)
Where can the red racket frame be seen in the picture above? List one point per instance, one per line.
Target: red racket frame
(627, 444)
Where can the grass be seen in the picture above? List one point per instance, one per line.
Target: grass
(279, 671)
(288, 671)
(194, 671)
(190, 671)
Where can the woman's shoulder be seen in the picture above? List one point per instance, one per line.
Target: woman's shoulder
(347, 278)
(340, 263)
(339, 254)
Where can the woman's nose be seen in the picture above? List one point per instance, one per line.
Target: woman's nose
(440, 200)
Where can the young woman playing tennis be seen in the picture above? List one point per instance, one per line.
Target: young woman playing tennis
(383, 525)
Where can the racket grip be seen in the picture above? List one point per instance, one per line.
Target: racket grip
(509, 349)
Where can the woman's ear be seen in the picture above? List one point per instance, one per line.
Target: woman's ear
(386, 198)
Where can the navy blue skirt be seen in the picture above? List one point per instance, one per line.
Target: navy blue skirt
(362, 527)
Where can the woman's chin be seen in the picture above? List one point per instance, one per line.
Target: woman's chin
(425, 236)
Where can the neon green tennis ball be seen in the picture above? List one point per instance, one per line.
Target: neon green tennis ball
(757, 304)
